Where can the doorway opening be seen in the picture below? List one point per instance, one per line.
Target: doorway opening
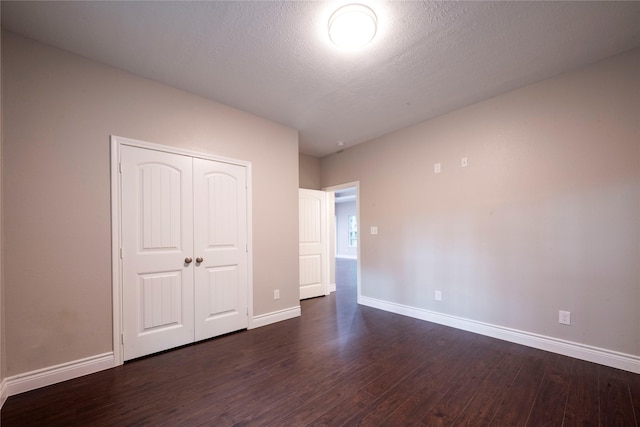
(345, 226)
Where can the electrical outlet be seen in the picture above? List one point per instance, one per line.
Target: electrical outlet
(438, 296)
(374, 230)
(276, 294)
(464, 162)
(564, 317)
(437, 168)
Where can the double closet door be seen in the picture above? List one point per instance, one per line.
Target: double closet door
(184, 249)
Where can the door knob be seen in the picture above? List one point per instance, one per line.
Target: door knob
(199, 259)
(188, 260)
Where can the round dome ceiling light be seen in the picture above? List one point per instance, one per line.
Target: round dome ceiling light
(352, 26)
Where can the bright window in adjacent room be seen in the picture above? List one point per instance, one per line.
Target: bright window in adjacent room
(353, 231)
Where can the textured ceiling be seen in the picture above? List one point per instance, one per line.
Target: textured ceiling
(274, 59)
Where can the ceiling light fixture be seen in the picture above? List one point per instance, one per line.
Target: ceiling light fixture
(352, 26)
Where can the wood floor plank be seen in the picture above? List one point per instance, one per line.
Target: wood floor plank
(491, 391)
(268, 414)
(583, 404)
(634, 390)
(329, 395)
(464, 387)
(346, 409)
(376, 412)
(439, 379)
(616, 408)
(405, 365)
(405, 396)
(551, 400)
(515, 408)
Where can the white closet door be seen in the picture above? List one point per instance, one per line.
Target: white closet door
(157, 238)
(220, 218)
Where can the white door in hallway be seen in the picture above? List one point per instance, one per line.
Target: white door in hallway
(184, 249)
(313, 243)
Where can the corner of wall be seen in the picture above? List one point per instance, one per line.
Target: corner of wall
(308, 172)
(3, 389)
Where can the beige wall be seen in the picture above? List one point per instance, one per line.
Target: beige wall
(309, 172)
(59, 110)
(545, 217)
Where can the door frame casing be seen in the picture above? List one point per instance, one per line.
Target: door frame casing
(333, 189)
(116, 230)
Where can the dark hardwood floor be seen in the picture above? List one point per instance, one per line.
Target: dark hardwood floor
(340, 364)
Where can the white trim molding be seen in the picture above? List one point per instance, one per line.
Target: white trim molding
(346, 256)
(3, 392)
(332, 287)
(274, 317)
(54, 374)
(614, 359)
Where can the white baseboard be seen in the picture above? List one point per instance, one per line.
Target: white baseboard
(54, 374)
(614, 359)
(332, 287)
(3, 392)
(346, 256)
(275, 316)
